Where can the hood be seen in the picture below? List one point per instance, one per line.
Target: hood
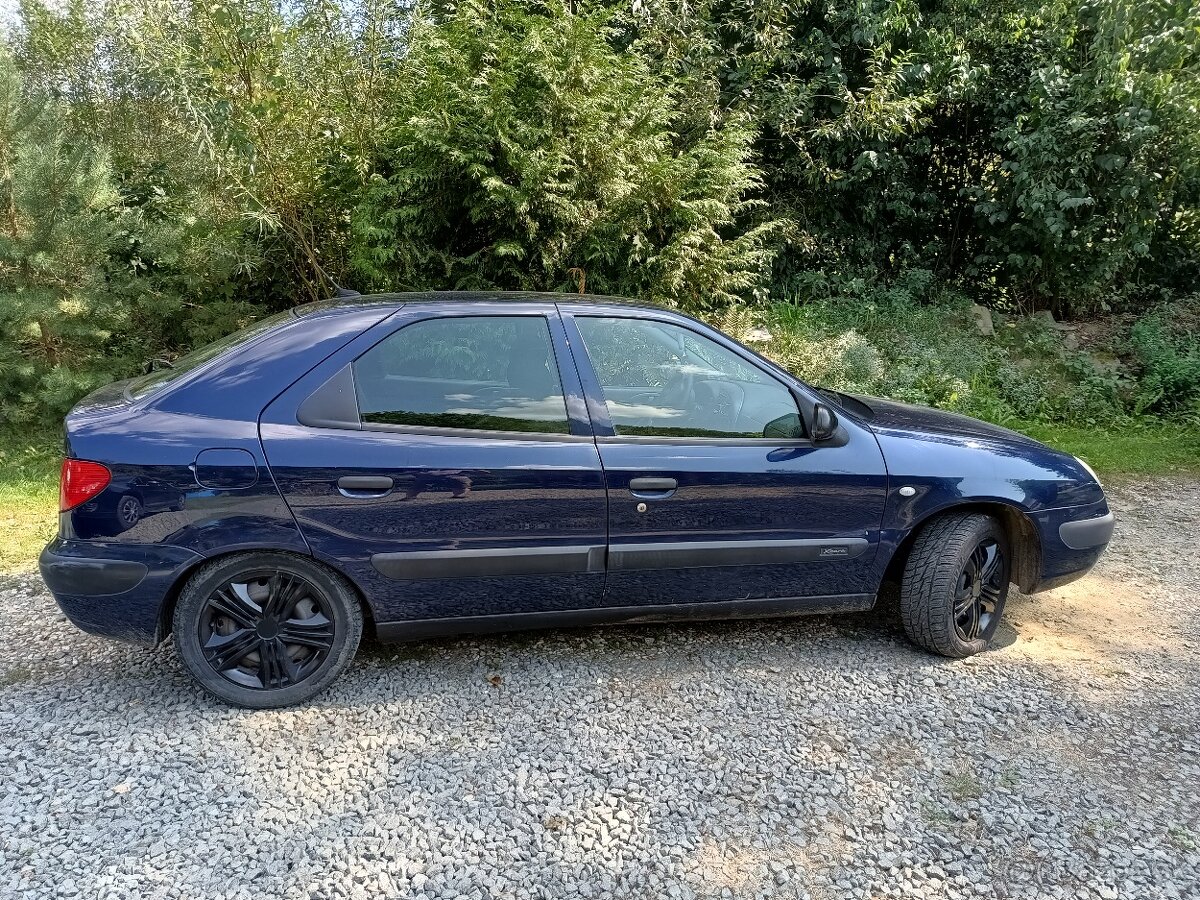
(889, 415)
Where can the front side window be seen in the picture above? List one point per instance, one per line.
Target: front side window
(494, 373)
(663, 380)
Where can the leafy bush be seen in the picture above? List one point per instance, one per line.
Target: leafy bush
(94, 273)
(175, 169)
(930, 353)
(55, 240)
(1170, 363)
(524, 152)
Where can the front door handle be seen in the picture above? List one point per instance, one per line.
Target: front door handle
(652, 485)
(364, 485)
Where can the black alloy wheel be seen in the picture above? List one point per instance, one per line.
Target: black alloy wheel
(265, 630)
(955, 584)
(979, 590)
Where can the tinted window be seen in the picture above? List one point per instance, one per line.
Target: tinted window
(495, 373)
(664, 380)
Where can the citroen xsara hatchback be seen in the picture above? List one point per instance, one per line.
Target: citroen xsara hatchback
(428, 464)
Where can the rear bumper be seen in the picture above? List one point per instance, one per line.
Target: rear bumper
(1073, 540)
(114, 590)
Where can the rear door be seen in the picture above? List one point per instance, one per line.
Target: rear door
(445, 462)
(715, 493)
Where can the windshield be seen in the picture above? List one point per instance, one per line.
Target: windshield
(147, 384)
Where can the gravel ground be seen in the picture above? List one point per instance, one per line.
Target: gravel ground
(819, 758)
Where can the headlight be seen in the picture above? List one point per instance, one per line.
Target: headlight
(1090, 471)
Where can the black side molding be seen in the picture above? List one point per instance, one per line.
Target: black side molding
(490, 562)
(569, 560)
(775, 607)
(705, 554)
(1087, 533)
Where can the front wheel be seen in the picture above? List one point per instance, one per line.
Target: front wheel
(264, 630)
(955, 584)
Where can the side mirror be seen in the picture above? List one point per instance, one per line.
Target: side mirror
(825, 423)
(784, 428)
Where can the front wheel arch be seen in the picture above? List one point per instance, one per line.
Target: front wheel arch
(1024, 543)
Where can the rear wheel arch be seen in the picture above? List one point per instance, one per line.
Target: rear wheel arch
(1025, 546)
(166, 615)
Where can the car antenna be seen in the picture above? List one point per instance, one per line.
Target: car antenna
(340, 291)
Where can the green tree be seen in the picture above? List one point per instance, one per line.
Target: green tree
(1097, 145)
(284, 100)
(841, 96)
(56, 233)
(523, 151)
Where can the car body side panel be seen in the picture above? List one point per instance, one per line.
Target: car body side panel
(791, 518)
(80, 574)
(163, 453)
(456, 502)
(152, 448)
(731, 498)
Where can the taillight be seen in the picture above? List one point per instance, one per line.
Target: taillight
(81, 481)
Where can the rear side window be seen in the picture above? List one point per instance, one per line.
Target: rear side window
(490, 373)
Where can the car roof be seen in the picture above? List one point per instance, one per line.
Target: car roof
(357, 301)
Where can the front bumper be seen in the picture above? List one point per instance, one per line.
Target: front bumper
(1083, 534)
(114, 590)
(1072, 539)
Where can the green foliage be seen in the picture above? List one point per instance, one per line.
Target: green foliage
(173, 170)
(1044, 154)
(842, 94)
(94, 267)
(56, 232)
(524, 152)
(1097, 150)
(930, 353)
(1169, 355)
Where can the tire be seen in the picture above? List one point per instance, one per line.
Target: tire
(129, 511)
(235, 616)
(955, 584)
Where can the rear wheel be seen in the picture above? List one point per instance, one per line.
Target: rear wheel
(955, 584)
(129, 511)
(264, 630)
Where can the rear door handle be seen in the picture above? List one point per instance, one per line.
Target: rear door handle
(364, 485)
(652, 485)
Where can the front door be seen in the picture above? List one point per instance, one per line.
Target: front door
(445, 462)
(715, 494)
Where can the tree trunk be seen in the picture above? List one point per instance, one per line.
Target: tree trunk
(49, 342)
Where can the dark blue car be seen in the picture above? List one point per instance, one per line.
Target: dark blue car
(428, 464)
